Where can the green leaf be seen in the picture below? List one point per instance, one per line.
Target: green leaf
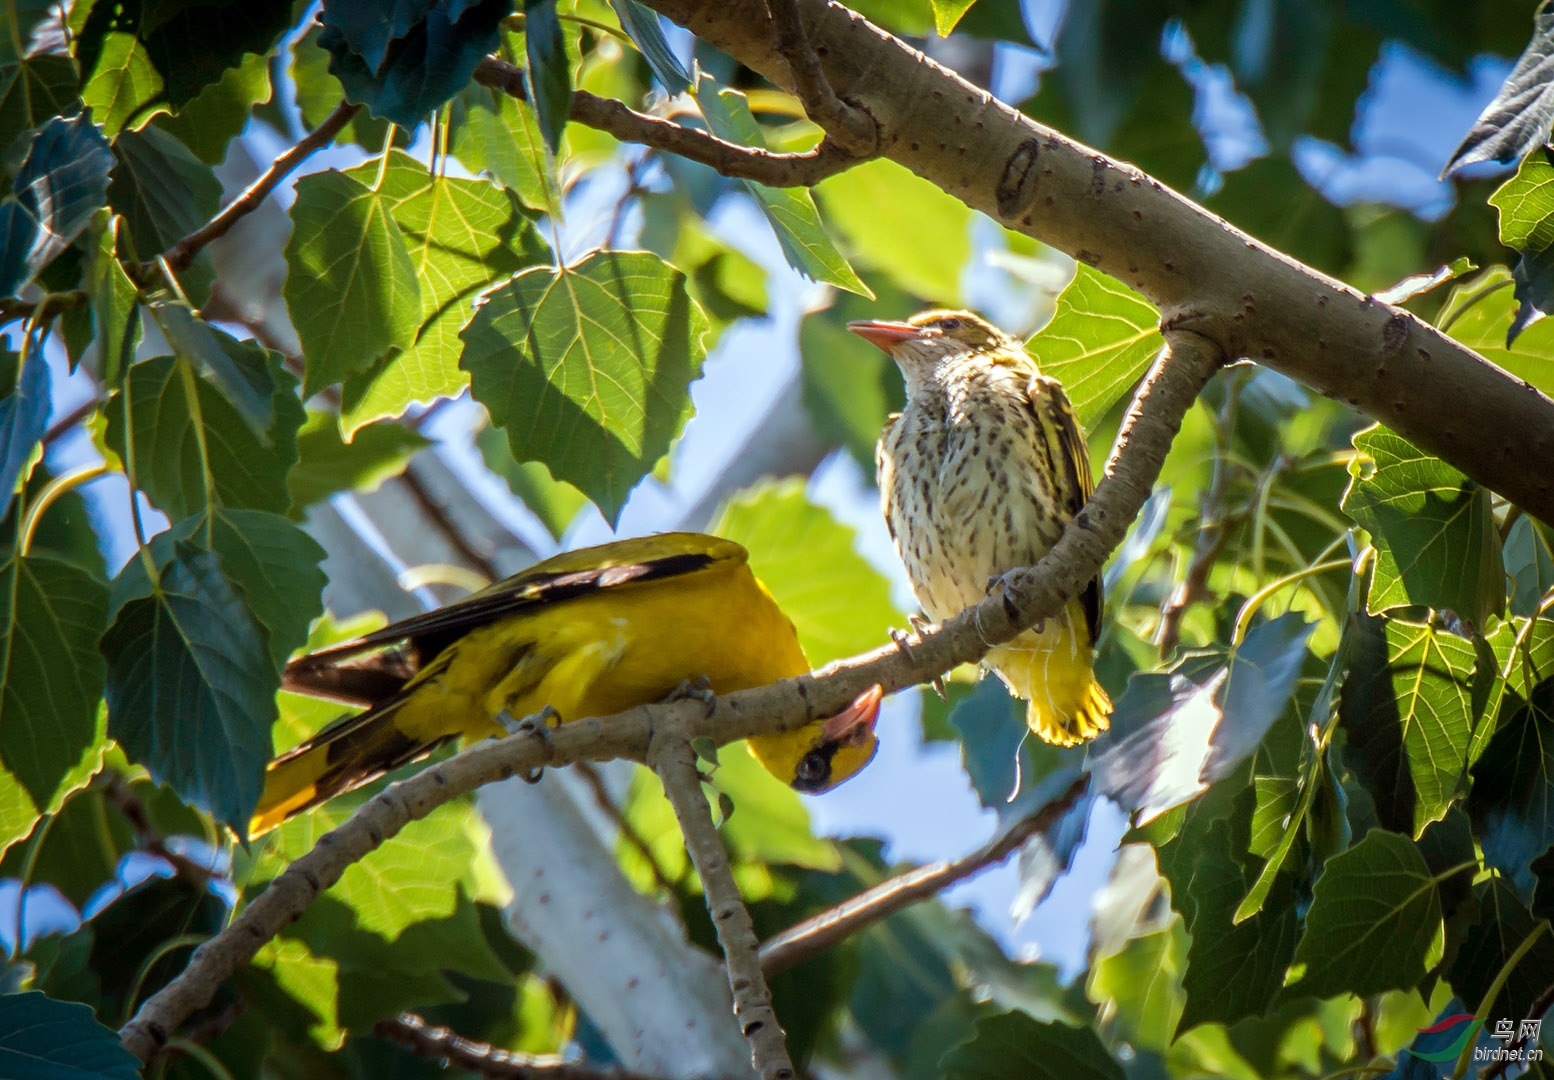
(641, 22)
(51, 676)
(1480, 313)
(1374, 920)
(124, 87)
(77, 850)
(1140, 984)
(285, 978)
(1526, 205)
(1233, 970)
(193, 633)
(555, 503)
(501, 136)
(1012, 1046)
(208, 124)
(327, 465)
(588, 368)
(42, 1038)
(791, 211)
(319, 92)
(839, 604)
(1433, 530)
(946, 13)
(901, 225)
(276, 565)
(1512, 801)
(1277, 798)
(462, 236)
(1503, 925)
(1100, 342)
(190, 454)
(114, 304)
(33, 89)
(548, 75)
(850, 387)
(1529, 563)
(351, 286)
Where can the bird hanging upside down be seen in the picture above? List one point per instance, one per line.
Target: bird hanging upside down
(979, 474)
(587, 633)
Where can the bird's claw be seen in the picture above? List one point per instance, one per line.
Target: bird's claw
(697, 689)
(539, 724)
(900, 638)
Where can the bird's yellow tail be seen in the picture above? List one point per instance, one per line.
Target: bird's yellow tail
(1051, 669)
(354, 752)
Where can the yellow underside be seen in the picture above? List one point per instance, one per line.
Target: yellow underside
(588, 656)
(1052, 670)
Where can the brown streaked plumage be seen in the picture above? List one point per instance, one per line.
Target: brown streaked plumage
(979, 474)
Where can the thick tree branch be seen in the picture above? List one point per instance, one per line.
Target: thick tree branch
(857, 913)
(449, 1047)
(671, 757)
(1251, 300)
(1163, 398)
(180, 255)
(730, 159)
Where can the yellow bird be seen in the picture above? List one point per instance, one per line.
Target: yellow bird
(979, 474)
(588, 633)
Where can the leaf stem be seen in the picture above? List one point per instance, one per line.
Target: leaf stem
(56, 487)
(1255, 601)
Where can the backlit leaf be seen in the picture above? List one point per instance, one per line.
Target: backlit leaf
(1099, 343)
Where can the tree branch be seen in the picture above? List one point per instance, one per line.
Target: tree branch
(1250, 299)
(857, 913)
(852, 128)
(181, 254)
(443, 1045)
(1184, 365)
(730, 159)
(671, 757)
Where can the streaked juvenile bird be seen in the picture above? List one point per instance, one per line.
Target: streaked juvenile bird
(979, 474)
(589, 633)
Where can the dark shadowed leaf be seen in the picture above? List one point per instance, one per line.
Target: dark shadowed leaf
(245, 373)
(1518, 118)
(34, 88)
(421, 68)
(164, 193)
(1374, 920)
(1012, 1046)
(43, 1039)
(588, 368)
(191, 686)
(351, 287)
(57, 188)
(1432, 527)
(208, 124)
(1529, 563)
(1504, 923)
(549, 74)
(24, 416)
(1512, 801)
(191, 454)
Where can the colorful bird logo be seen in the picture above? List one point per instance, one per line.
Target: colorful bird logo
(1469, 1025)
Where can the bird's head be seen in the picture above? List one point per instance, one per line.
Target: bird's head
(823, 753)
(926, 339)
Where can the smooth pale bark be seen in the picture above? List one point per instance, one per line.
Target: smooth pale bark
(1202, 273)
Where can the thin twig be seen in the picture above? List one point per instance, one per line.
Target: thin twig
(730, 159)
(671, 757)
(1173, 383)
(851, 127)
(818, 933)
(52, 304)
(450, 1048)
(181, 254)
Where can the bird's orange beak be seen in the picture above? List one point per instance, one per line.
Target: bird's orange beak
(854, 724)
(885, 335)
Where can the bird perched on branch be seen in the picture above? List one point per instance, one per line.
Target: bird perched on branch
(587, 633)
(979, 474)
